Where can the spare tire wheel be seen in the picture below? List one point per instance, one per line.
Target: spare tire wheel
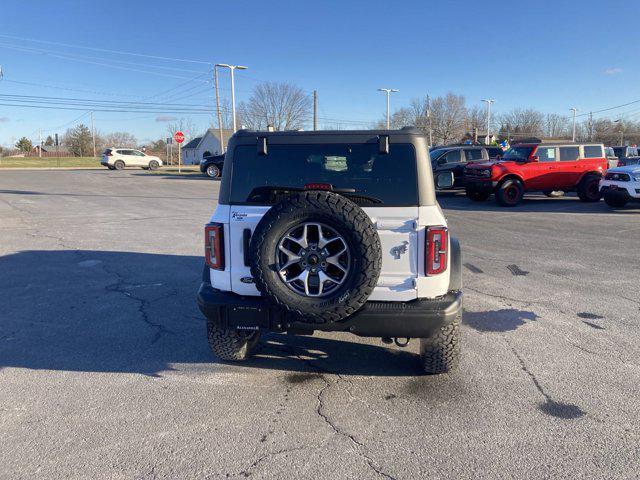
(316, 255)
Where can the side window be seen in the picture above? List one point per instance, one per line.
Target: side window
(593, 151)
(454, 156)
(546, 154)
(569, 154)
(495, 152)
(122, 152)
(138, 153)
(473, 154)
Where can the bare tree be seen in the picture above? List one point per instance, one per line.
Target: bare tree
(523, 122)
(448, 115)
(557, 125)
(119, 139)
(184, 125)
(282, 105)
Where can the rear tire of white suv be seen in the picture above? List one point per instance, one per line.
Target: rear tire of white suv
(440, 353)
(118, 165)
(231, 345)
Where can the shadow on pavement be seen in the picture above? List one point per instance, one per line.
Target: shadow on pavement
(125, 312)
(504, 320)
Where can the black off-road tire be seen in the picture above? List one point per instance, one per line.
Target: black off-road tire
(441, 352)
(588, 189)
(477, 195)
(616, 199)
(231, 345)
(348, 220)
(510, 193)
(118, 165)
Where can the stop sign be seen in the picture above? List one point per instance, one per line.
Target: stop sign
(178, 137)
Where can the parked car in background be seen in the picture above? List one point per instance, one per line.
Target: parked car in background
(621, 185)
(544, 167)
(612, 160)
(455, 158)
(626, 155)
(212, 166)
(119, 158)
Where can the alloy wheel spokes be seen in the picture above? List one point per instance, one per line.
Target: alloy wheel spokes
(313, 259)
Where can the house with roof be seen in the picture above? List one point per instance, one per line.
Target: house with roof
(204, 146)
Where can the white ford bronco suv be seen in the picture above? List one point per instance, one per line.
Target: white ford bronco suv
(333, 231)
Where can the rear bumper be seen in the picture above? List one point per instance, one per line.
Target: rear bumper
(416, 319)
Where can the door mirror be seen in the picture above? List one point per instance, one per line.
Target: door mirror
(441, 161)
(444, 180)
(535, 158)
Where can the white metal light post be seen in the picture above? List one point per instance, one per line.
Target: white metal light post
(573, 136)
(489, 101)
(233, 89)
(389, 92)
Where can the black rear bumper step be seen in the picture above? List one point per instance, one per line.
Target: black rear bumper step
(414, 319)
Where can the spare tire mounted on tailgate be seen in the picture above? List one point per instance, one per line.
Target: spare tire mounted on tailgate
(316, 255)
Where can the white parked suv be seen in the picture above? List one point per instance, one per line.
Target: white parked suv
(331, 231)
(118, 158)
(621, 185)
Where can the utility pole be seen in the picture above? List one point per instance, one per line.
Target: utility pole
(621, 122)
(40, 144)
(489, 101)
(389, 92)
(573, 136)
(232, 68)
(590, 126)
(215, 76)
(315, 110)
(429, 120)
(93, 133)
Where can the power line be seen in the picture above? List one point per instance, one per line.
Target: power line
(106, 50)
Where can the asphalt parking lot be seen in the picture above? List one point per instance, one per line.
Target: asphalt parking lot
(105, 371)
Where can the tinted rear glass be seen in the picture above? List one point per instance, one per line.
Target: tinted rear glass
(620, 152)
(359, 170)
(592, 151)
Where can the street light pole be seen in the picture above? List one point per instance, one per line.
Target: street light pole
(233, 89)
(488, 101)
(573, 136)
(215, 75)
(389, 92)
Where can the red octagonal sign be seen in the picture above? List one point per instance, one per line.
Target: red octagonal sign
(178, 137)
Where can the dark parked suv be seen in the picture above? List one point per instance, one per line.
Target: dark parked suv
(455, 158)
(212, 166)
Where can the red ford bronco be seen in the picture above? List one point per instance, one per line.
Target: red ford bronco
(542, 167)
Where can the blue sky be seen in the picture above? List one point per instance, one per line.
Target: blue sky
(546, 55)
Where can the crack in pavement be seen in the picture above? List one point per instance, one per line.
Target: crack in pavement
(357, 446)
(120, 286)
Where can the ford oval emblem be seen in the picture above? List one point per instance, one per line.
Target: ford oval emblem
(246, 279)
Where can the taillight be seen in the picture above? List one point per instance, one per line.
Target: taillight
(214, 245)
(109, 154)
(436, 250)
(318, 186)
(620, 163)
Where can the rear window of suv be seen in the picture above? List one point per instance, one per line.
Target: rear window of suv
(358, 171)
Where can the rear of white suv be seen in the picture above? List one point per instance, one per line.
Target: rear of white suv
(304, 216)
(119, 158)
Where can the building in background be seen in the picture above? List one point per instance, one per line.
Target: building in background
(204, 146)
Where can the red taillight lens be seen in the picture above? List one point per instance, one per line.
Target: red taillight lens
(436, 250)
(214, 245)
(109, 154)
(318, 186)
(620, 163)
